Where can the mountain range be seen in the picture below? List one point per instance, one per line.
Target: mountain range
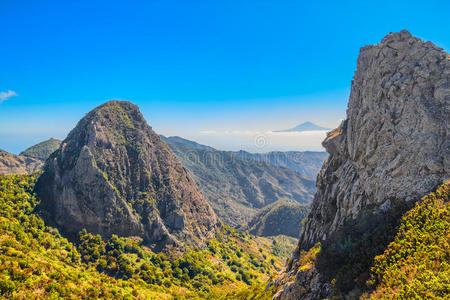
(18, 164)
(271, 176)
(120, 212)
(307, 163)
(237, 187)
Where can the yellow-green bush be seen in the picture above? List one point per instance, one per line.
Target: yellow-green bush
(37, 262)
(416, 265)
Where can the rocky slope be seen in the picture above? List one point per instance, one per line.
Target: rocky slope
(114, 175)
(30, 160)
(281, 217)
(306, 163)
(392, 149)
(235, 187)
(18, 164)
(42, 150)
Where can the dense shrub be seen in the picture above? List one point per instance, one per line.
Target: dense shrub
(416, 265)
(347, 255)
(37, 262)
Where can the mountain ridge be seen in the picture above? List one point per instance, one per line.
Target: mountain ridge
(42, 150)
(235, 187)
(307, 163)
(283, 216)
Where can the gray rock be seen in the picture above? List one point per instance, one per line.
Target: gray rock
(114, 175)
(394, 143)
(306, 285)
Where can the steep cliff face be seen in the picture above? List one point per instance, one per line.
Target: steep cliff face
(394, 143)
(114, 175)
(392, 149)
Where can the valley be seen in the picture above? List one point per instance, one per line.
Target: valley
(118, 211)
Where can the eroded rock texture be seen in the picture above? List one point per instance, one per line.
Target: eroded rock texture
(114, 175)
(393, 146)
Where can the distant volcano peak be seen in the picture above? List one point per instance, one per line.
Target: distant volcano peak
(306, 126)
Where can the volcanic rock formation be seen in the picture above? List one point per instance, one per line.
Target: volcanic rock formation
(114, 175)
(392, 149)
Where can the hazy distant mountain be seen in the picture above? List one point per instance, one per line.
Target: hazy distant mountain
(42, 150)
(307, 163)
(180, 143)
(236, 187)
(307, 126)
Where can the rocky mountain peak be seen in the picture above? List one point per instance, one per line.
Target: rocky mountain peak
(393, 147)
(114, 175)
(394, 142)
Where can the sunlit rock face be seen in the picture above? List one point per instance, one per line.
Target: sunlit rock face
(394, 144)
(114, 175)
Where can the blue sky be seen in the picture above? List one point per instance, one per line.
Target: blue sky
(192, 66)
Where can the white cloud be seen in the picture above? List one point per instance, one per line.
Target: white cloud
(262, 140)
(299, 133)
(6, 95)
(321, 133)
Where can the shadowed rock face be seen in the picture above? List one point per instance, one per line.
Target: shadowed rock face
(394, 145)
(114, 175)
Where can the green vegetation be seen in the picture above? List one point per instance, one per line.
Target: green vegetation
(305, 262)
(37, 262)
(42, 150)
(416, 265)
(281, 217)
(347, 255)
(283, 245)
(237, 187)
(308, 258)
